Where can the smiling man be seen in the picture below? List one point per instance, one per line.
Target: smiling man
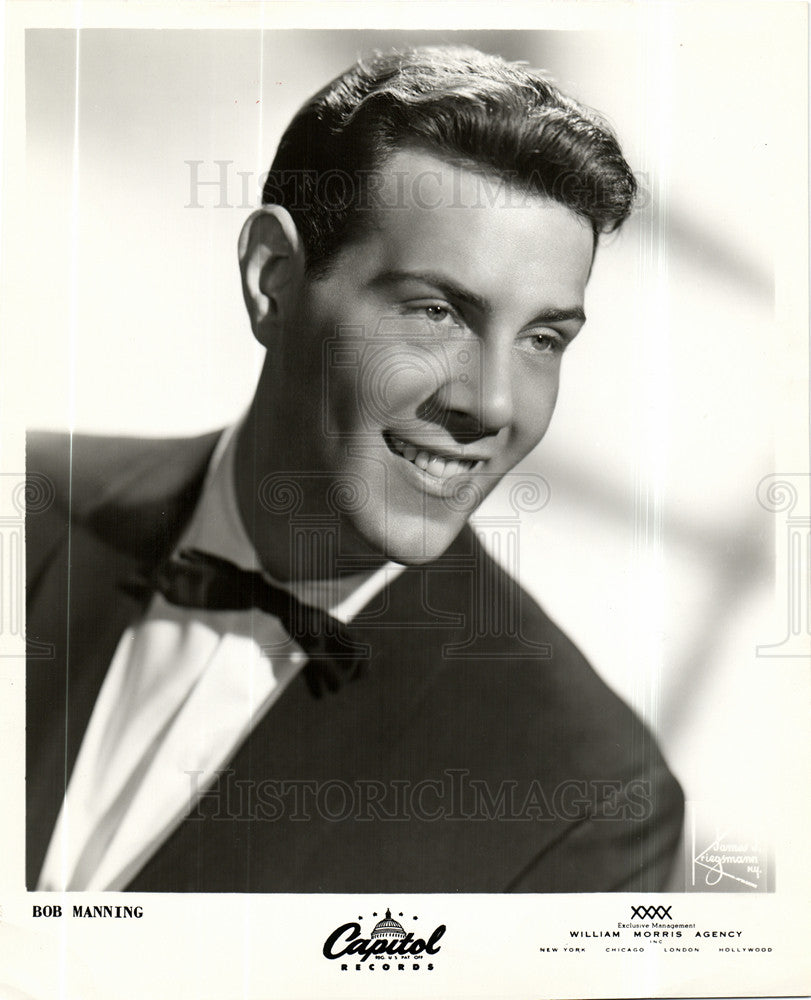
(289, 664)
(463, 295)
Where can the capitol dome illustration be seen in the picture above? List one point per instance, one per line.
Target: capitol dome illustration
(388, 927)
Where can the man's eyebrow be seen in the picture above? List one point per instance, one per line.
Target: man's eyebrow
(446, 285)
(452, 290)
(560, 315)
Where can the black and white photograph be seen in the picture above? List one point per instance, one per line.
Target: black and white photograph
(405, 500)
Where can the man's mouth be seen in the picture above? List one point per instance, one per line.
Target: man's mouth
(436, 463)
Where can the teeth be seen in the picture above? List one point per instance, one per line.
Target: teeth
(434, 465)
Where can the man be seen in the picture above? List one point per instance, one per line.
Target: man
(411, 721)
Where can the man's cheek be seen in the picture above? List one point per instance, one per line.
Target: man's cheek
(344, 414)
(394, 380)
(534, 406)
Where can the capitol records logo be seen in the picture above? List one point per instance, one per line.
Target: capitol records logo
(389, 946)
(651, 912)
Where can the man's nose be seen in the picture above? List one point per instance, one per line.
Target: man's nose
(477, 398)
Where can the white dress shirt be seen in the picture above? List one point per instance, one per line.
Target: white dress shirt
(184, 689)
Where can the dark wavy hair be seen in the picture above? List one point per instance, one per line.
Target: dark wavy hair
(463, 106)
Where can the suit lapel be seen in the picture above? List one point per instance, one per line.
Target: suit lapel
(81, 617)
(80, 604)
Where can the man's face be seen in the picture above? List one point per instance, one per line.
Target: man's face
(425, 364)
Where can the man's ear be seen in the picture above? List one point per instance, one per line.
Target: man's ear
(271, 262)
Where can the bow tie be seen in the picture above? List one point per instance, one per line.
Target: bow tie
(194, 579)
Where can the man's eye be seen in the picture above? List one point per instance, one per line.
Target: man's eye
(545, 343)
(437, 314)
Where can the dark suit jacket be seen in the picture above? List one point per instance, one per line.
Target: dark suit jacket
(480, 754)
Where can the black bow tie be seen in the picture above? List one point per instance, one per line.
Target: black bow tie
(194, 579)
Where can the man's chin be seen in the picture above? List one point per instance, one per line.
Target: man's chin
(421, 546)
